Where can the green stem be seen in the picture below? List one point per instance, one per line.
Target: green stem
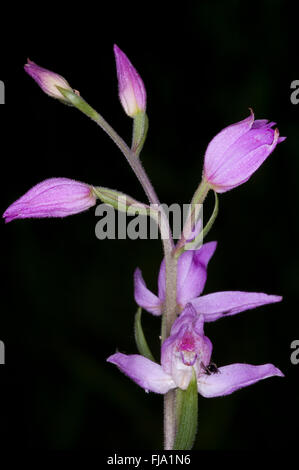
(170, 306)
(199, 239)
(198, 198)
(170, 418)
(129, 154)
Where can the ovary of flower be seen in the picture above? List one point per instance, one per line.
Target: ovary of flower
(185, 350)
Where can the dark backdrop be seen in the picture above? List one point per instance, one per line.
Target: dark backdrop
(67, 298)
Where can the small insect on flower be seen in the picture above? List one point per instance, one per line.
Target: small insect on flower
(210, 369)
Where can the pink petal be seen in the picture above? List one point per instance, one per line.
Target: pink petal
(231, 378)
(186, 334)
(132, 91)
(222, 141)
(239, 167)
(191, 273)
(47, 80)
(262, 123)
(189, 316)
(144, 297)
(54, 197)
(144, 372)
(221, 304)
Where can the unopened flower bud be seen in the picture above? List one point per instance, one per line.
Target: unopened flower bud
(131, 89)
(47, 80)
(54, 197)
(238, 151)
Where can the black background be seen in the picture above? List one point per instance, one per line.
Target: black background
(67, 298)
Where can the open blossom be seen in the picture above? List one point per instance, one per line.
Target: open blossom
(191, 279)
(132, 93)
(47, 80)
(54, 197)
(185, 350)
(238, 151)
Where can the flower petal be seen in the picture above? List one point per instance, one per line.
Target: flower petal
(189, 316)
(230, 378)
(259, 123)
(186, 346)
(144, 297)
(54, 197)
(222, 141)
(239, 168)
(222, 304)
(132, 92)
(192, 272)
(47, 80)
(144, 372)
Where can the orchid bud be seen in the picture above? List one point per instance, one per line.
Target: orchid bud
(54, 197)
(238, 151)
(47, 80)
(131, 89)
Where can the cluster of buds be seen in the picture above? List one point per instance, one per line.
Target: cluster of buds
(231, 158)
